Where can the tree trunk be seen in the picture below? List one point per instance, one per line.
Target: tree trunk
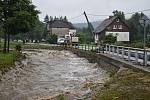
(8, 43)
(5, 43)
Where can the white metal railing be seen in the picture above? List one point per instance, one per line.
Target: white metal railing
(135, 55)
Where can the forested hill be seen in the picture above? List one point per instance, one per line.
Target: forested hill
(83, 25)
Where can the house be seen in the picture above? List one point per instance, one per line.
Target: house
(61, 28)
(113, 25)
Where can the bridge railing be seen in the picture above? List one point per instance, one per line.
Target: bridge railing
(135, 55)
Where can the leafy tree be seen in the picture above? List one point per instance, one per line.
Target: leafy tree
(52, 39)
(84, 35)
(37, 31)
(110, 39)
(136, 29)
(120, 14)
(18, 16)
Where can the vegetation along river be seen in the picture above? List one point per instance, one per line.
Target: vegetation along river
(46, 73)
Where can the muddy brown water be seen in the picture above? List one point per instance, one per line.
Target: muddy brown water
(46, 73)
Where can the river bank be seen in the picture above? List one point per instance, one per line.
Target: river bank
(7, 61)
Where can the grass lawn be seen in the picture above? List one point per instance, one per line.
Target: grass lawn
(12, 44)
(7, 61)
(126, 85)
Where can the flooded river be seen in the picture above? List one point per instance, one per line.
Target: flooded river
(45, 74)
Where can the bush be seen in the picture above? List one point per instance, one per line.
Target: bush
(110, 39)
(18, 47)
(137, 45)
(52, 39)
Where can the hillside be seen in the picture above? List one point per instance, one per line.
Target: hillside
(82, 25)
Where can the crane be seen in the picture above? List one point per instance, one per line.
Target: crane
(90, 26)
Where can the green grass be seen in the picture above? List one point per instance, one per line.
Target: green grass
(60, 97)
(7, 61)
(126, 85)
(12, 44)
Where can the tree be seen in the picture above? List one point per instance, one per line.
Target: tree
(37, 31)
(46, 19)
(18, 16)
(110, 39)
(65, 19)
(120, 14)
(61, 18)
(52, 39)
(136, 29)
(51, 18)
(84, 36)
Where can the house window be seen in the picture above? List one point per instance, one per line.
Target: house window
(115, 27)
(117, 20)
(120, 26)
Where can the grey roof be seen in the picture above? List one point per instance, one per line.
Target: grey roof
(60, 24)
(104, 24)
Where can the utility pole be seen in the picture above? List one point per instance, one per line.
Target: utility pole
(89, 25)
(144, 41)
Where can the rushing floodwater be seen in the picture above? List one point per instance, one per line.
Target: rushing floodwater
(47, 73)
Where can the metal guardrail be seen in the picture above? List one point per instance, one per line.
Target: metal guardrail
(135, 55)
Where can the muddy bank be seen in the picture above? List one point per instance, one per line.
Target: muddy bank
(47, 73)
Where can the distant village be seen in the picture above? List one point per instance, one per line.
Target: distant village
(60, 30)
(113, 25)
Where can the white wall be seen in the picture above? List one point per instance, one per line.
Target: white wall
(121, 36)
(72, 32)
(96, 38)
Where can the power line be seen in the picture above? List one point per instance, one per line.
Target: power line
(97, 15)
(108, 15)
(75, 17)
(138, 11)
(124, 14)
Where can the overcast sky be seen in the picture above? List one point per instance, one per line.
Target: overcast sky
(73, 8)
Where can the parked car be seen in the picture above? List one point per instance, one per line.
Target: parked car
(60, 40)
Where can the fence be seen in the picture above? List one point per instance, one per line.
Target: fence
(135, 55)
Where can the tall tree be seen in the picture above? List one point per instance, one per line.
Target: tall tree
(37, 32)
(119, 14)
(65, 19)
(136, 29)
(51, 18)
(46, 19)
(18, 16)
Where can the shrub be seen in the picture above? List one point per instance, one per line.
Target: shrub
(52, 39)
(110, 39)
(18, 47)
(137, 45)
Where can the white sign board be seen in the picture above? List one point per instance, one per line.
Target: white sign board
(75, 39)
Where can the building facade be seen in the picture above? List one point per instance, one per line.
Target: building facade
(60, 28)
(113, 25)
